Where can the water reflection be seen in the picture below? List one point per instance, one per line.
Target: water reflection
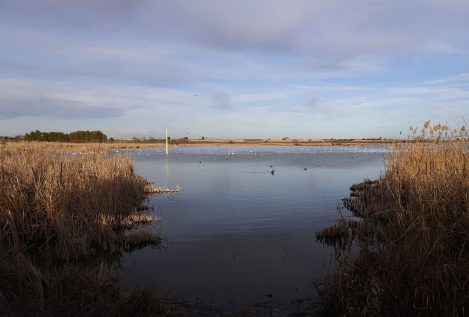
(236, 233)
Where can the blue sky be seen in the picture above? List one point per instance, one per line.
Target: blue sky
(233, 69)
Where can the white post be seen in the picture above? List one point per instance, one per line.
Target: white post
(167, 140)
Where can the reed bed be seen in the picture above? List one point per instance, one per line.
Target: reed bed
(61, 203)
(408, 254)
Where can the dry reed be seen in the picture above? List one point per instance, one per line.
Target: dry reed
(410, 251)
(153, 189)
(65, 204)
(60, 203)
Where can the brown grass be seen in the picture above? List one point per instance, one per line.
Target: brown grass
(60, 203)
(135, 219)
(65, 204)
(410, 251)
(153, 189)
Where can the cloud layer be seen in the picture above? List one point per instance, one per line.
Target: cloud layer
(233, 69)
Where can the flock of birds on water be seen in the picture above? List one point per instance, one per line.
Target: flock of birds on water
(229, 151)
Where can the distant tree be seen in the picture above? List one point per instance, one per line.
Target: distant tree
(77, 136)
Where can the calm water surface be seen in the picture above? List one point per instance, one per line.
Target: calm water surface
(236, 232)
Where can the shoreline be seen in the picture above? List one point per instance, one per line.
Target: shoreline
(200, 143)
(220, 143)
(353, 143)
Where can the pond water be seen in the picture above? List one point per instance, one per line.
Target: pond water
(238, 233)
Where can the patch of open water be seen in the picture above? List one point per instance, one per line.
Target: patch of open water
(237, 233)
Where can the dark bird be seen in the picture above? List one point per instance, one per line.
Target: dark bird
(272, 172)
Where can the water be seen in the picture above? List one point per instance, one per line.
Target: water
(237, 233)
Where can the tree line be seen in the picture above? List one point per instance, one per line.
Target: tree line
(77, 136)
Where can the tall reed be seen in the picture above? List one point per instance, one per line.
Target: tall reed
(65, 204)
(410, 250)
(58, 204)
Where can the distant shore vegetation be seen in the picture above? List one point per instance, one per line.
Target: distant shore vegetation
(77, 136)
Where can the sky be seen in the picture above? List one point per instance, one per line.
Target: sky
(233, 69)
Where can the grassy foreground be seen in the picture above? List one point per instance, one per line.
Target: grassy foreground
(407, 253)
(60, 204)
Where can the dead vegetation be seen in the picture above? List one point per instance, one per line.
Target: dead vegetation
(151, 188)
(59, 204)
(408, 253)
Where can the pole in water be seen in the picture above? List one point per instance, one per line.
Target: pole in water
(167, 140)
